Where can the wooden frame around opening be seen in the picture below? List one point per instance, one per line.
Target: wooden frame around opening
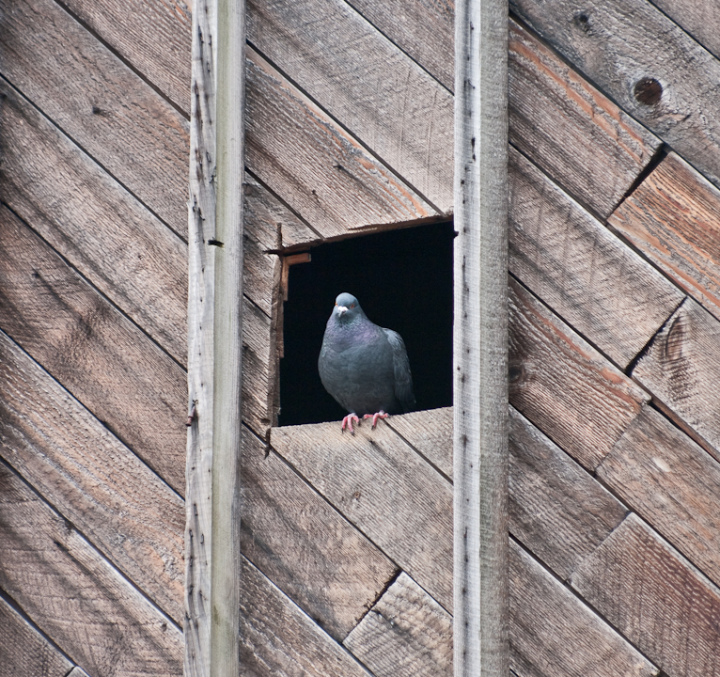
(212, 535)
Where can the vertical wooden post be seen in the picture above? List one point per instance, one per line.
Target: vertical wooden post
(212, 533)
(480, 339)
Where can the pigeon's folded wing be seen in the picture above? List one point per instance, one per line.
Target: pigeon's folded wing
(401, 365)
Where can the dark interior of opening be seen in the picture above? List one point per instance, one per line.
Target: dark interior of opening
(403, 280)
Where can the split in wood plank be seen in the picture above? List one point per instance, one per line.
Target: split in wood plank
(673, 218)
(699, 18)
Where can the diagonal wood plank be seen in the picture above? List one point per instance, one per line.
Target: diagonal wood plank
(102, 487)
(92, 221)
(385, 489)
(314, 165)
(673, 218)
(682, 369)
(321, 561)
(24, 652)
(587, 275)
(655, 598)
(646, 63)
(366, 83)
(700, 18)
(103, 359)
(99, 102)
(563, 385)
(75, 596)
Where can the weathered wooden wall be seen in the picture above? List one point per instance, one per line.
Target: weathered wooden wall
(347, 540)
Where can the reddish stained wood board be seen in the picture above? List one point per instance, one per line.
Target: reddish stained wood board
(673, 218)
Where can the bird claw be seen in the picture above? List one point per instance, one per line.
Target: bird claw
(348, 422)
(375, 417)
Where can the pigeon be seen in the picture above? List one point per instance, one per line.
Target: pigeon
(364, 367)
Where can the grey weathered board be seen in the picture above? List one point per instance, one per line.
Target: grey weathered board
(655, 598)
(699, 18)
(99, 102)
(24, 652)
(366, 83)
(673, 218)
(587, 275)
(133, 387)
(383, 487)
(681, 367)
(93, 222)
(646, 63)
(563, 385)
(555, 635)
(100, 485)
(76, 596)
(305, 546)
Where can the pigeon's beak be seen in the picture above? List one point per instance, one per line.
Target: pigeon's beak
(341, 310)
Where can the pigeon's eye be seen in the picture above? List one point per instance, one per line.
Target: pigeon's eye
(352, 305)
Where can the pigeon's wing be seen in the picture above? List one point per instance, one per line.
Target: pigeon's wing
(401, 365)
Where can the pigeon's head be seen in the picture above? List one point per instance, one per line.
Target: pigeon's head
(346, 307)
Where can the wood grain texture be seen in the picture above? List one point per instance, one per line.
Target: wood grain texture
(621, 45)
(655, 598)
(278, 638)
(385, 489)
(563, 385)
(429, 433)
(383, 98)
(423, 29)
(587, 275)
(314, 165)
(24, 652)
(100, 103)
(321, 561)
(556, 509)
(102, 358)
(154, 37)
(671, 483)
(682, 369)
(697, 17)
(256, 382)
(93, 222)
(405, 634)
(553, 634)
(75, 596)
(120, 504)
(562, 123)
(673, 218)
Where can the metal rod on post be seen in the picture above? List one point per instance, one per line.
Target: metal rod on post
(480, 339)
(215, 244)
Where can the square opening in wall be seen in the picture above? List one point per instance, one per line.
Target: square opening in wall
(403, 280)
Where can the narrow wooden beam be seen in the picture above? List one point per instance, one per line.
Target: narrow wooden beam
(480, 339)
(213, 565)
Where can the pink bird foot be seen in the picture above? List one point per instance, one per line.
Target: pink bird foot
(348, 422)
(375, 417)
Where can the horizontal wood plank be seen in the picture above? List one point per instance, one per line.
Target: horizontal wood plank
(580, 138)
(153, 36)
(697, 17)
(553, 634)
(100, 103)
(405, 634)
(646, 63)
(322, 562)
(92, 221)
(556, 509)
(655, 598)
(366, 83)
(278, 638)
(24, 652)
(673, 218)
(314, 165)
(102, 487)
(672, 483)
(587, 275)
(384, 488)
(682, 369)
(102, 358)
(563, 385)
(75, 596)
